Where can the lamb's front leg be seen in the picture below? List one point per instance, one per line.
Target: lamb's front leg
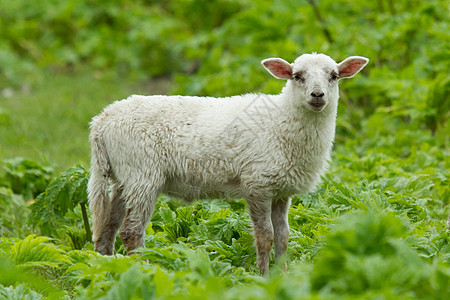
(280, 224)
(260, 212)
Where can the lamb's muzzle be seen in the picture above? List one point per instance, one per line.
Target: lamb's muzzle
(264, 148)
(317, 100)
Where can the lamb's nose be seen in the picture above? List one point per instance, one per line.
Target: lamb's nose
(317, 94)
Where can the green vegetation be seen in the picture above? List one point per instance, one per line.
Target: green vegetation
(50, 124)
(374, 229)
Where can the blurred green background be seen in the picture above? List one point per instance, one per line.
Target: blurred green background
(62, 61)
(375, 227)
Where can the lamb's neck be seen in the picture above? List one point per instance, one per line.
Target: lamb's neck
(314, 130)
(321, 122)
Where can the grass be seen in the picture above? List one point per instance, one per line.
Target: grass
(51, 122)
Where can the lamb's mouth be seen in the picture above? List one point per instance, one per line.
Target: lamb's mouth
(316, 104)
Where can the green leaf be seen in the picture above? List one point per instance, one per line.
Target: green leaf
(37, 251)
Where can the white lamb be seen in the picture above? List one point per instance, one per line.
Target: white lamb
(264, 148)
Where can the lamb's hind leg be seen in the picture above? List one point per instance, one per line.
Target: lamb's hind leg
(105, 244)
(280, 224)
(140, 204)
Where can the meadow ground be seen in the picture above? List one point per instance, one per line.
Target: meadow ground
(49, 120)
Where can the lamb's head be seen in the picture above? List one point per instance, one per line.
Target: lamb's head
(313, 78)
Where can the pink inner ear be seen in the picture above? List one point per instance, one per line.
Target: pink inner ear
(279, 69)
(351, 68)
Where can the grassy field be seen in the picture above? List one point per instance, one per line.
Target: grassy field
(50, 122)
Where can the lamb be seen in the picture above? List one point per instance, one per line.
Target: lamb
(263, 148)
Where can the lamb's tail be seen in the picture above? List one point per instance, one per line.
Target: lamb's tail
(99, 202)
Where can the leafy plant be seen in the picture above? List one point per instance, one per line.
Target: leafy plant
(366, 252)
(14, 211)
(24, 176)
(36, 252)
(62, 195)
(26, 283)
(19, 292)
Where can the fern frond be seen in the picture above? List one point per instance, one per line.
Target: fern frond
(18, 292)
(37, 251)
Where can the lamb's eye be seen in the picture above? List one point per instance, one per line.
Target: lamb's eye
(334, 77)
(298, 77)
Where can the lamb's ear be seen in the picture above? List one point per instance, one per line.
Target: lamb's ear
(351, 65)
(278, 67)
